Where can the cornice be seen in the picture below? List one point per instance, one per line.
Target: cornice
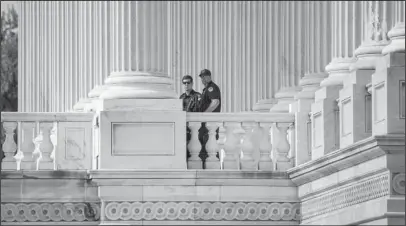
(355, 154)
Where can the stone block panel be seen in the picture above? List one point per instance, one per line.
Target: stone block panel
(201, 211)
(50, 212)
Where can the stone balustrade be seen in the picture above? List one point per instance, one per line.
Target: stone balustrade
(228, 141)
(47, 141)
(239, 141)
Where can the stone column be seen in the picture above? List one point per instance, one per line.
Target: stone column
(316, 32)
(397, 33)
(346, 33)
(290, 48)
(354, 100)
(388, 82)
(374, 24)
(139, 44)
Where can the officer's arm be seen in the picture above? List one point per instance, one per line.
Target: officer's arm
(213, 105)
(214, 95)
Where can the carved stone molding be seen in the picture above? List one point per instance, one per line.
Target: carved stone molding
(398, 183)
(53, 212)
(372, 188)
(225, 211)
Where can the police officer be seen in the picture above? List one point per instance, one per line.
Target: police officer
(211, 96)
(210, 102)
(190, 102)
(190, 97)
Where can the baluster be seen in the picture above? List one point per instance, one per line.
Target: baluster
(46, 147)
(265, 147)
(248, 147)
(292, 141)
(19, 154)
(37, 141)
(231, 147)
(9, 147)
(96, 149)
(212, 162)
(194, 162)
(282, 147)
(54, 140)
(27, 145)
(239, 133)
(220, 143)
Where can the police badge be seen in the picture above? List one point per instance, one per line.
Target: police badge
(210, 89)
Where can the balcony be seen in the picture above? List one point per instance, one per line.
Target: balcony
(62, 156)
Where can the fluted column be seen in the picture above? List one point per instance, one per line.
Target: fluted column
(238, 41)
(317, 34)
(346, 34)
(397, 33)
(139, 37)
(291, 47)
(374, 23)
(63, 53)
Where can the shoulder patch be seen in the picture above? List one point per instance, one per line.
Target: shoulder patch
(210, 89)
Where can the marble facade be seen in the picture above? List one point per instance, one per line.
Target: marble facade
(324, 144)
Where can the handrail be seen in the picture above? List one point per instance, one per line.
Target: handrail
(241, 117)
(46, 116)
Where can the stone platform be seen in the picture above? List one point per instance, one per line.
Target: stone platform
(137, 197)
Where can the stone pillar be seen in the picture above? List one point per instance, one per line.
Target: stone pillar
(346, 34)
(397, 33)
(141, 122)
(139, 36)
(374, 24)
(388, 82)
(354, 101)
(291, 47)
(316, 32)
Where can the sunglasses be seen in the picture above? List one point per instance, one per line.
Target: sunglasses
(184, 83)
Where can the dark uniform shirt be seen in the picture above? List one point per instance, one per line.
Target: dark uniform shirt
(212, 91)
(190, 102)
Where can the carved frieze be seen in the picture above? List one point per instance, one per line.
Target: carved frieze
(49, 212)
(218, 211)
(372, 188)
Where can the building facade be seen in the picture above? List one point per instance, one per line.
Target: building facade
(312, 128)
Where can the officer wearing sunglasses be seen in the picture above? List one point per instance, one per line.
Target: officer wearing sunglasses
(190, 97)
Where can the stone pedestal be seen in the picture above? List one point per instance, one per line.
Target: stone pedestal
(301, 108)
(388, 95)
(354, 107)
(324, 121)
(142, 139)
(324, 112)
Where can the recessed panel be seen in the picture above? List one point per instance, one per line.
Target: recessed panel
(402, 99)
(143, 138)
(380, 100)
(346, 113)
(318, 130)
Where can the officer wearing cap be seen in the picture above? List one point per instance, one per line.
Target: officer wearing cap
(190, 97)
(211, 96)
